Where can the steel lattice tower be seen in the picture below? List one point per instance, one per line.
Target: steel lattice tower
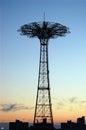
(43, 31)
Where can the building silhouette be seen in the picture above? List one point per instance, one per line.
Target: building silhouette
(79, 125)
(18, 125)
(69, 125)
(81, 121)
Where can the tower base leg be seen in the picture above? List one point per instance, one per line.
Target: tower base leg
(42, 126)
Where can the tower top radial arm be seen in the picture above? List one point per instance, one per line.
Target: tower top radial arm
(44, 30)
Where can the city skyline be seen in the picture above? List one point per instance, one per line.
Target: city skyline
(20, 60)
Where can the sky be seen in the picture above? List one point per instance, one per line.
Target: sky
(19, 59)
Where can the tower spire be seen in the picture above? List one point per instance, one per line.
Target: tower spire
(44, 16)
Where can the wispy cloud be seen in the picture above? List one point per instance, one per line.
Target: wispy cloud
(76, 100)
(70, 103)
(83, 102)
(13, 107)
(60, 105)
(73, 100)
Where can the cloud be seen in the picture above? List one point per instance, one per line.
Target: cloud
(13, 107)
(70, 103)
(83, 101)
(73, 100)
(60, 105)
(76, 100)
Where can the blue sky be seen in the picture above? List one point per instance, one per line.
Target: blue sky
(19, 55)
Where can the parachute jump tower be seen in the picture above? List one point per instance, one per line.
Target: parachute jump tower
(43, 31)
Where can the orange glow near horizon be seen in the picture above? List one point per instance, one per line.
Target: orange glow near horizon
(20, 115)
(27, 116)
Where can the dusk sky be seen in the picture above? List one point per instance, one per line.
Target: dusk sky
(19, 59)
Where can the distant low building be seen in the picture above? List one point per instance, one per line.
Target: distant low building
(18, 125)
(81, 121)
(69, 124)
(79, 125)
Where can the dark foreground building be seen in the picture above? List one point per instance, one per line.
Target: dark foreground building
(43, 126)
(80, 125)
(18, 125)
(69, 125)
